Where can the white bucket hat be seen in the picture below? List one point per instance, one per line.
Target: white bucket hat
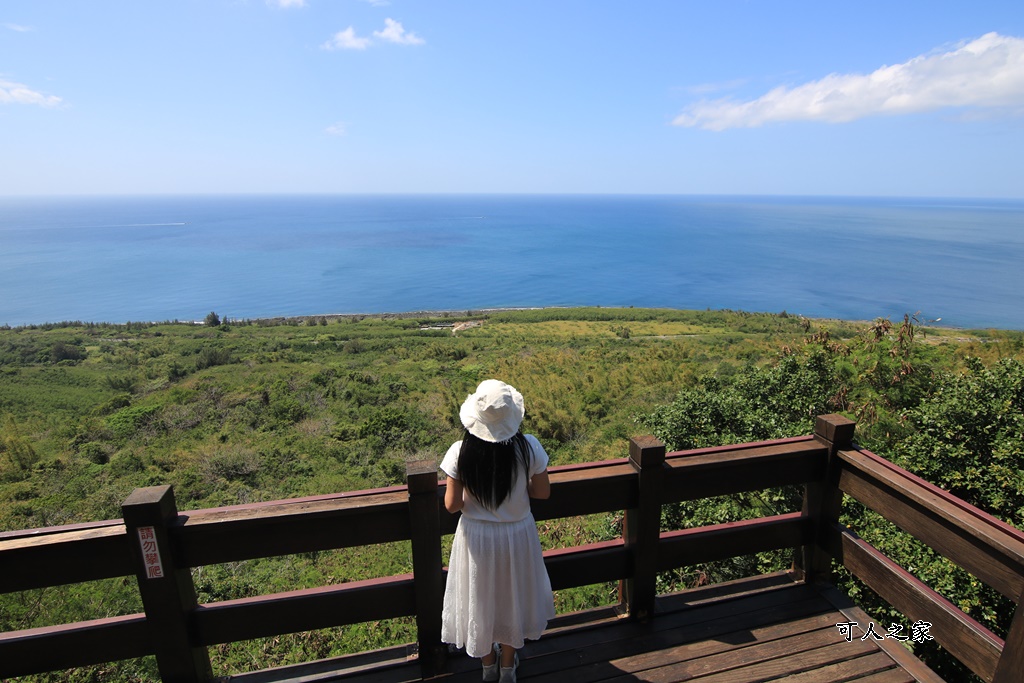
(494, 412)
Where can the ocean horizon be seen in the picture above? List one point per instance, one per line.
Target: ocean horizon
(156, 258)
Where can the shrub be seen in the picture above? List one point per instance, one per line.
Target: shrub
(125, 383)
(61, 351)
(209, 357)
(233, 464)
(969, 438)
(15, 447)
(391, 427)
(176, 372)
(95, 453)
(287, 409)
(125, 462)
(115, 403)
(127, 421)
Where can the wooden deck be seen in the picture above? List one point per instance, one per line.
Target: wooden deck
(760, 629)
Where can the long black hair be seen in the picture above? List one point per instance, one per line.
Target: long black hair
(489, 470)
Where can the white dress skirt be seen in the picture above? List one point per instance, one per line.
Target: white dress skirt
(498, 589)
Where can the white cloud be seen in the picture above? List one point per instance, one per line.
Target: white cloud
(379, 3)
(285, 4)
(986, 72)
(17, 27)
(394, 33)
(337, 129)
(16, 93)
(346, 40)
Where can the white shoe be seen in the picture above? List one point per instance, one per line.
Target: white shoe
(491, 670)
(508, 674)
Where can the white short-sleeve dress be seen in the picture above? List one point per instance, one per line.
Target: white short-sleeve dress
(498, 590)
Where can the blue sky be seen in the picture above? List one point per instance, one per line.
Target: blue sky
(356, 96)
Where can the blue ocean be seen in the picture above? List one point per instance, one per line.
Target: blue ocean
(117, 259)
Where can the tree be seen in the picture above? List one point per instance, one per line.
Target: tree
(968, 438)
(771, 401)
(61, 351)
(212, 320)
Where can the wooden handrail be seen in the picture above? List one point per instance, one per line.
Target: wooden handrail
(82, 643)
(797, 461)
(732, 539)
(43, 560)
(965, 638)
(826, 463)
(991, 553)
(304, 610)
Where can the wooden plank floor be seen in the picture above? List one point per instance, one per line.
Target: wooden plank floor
(761, 629)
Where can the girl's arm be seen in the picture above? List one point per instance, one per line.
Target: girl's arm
(539, 485)
(453, 495)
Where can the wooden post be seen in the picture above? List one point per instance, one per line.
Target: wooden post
(1010, 667)
(168, 594)
(424, 518)
(641, 527)
(823, 499)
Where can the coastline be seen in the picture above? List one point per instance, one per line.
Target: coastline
(456, 315)
(469, 313)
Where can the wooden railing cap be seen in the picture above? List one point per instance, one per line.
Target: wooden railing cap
(147, 495)
(421, 476)
(836, 429)
(149, 505)
(646, 451)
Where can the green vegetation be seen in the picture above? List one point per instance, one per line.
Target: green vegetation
(244, 411)
(935, 410)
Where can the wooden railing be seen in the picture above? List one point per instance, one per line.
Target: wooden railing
(160, 546)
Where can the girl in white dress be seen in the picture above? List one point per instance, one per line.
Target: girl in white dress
(498, 591)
